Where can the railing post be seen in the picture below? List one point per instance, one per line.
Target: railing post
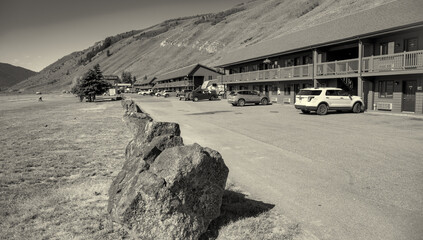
(403, 62)
(336, 67)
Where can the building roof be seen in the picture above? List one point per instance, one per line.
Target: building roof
(388, 17)
(181, 72)
(110, 77)
(143, 81)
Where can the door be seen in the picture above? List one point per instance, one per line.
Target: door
(296, 90)
(409, 96)
(333, 98)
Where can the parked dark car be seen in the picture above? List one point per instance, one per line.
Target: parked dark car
(199, 94)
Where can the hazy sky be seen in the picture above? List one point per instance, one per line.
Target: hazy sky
(36, 33)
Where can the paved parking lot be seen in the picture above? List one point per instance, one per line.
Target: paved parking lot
(342, 176)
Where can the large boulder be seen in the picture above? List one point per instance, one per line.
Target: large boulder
(140, 153)
(165, 190)
(172, 196)
(130, 106)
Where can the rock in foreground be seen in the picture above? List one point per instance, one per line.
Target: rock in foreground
(166, 190)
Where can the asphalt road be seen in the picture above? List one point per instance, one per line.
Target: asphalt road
(342, 176)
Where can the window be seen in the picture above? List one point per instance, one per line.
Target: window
(310, 92)
(411, 44)
(210, 77)
(287, 91)
(343, 93)
(332, 93)
(386, 89)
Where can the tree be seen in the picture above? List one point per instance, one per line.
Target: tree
(107, 42)
(91, 84)
(126, 77)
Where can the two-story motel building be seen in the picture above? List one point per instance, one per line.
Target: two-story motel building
(189, 77)
(376, 54)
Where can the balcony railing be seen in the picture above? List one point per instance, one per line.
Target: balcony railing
(393, 62)
(384, 63)
(270, 74)
(337, 67)
(184, 83)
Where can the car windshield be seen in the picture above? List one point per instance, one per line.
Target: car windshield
(310, 92)
(232, 93)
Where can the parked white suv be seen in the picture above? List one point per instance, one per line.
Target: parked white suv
(322, 100)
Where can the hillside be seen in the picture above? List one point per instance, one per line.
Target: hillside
(10, 75)
(197, 39)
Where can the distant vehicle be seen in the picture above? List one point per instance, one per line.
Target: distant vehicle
(145, 92)
(322, 100)
(199, 94)
(158, 93)
(37, 93)
(168, 93)
(182, 93)
(112, 94)
(187, 95)
(242, 97)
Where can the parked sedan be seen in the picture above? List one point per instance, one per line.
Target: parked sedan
(168, 93)
(242, 97)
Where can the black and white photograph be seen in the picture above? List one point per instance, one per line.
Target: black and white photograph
(211, 120)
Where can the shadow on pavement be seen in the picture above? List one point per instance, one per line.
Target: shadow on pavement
(235, 206)
(207, 113)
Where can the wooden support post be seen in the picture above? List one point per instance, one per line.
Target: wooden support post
(360, 63)
(314, 68)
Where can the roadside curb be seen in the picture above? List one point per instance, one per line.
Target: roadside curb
(410, 115)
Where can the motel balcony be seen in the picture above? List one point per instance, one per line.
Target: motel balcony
(337, 68)
(276, 74)
(398, 63)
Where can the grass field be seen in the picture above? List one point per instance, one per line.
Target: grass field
(58, 158)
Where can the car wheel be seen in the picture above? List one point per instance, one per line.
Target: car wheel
(195, 99)
(264, 101)
(241, 102)
(322, 109)
(356, 108)
(212, 98)
(305, 111)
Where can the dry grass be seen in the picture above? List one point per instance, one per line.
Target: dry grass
(245, 218)
(58, 158)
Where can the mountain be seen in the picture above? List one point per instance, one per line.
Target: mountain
(10, 75)
(184, 41)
